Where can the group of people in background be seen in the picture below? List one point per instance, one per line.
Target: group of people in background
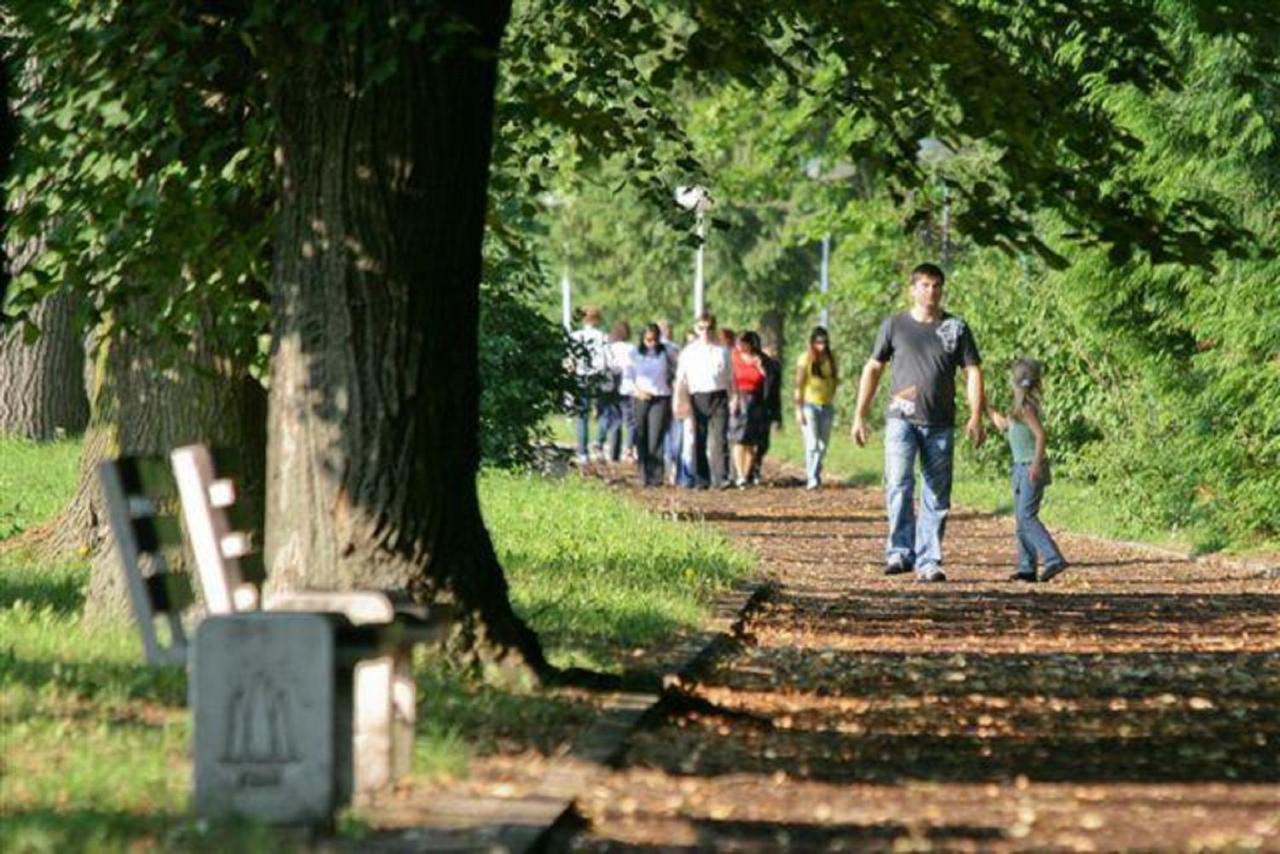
(696, 414)
(700, 416)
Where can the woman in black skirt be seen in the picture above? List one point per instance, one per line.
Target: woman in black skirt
(749, 422)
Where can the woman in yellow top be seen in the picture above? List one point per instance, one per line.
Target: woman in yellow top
(816, 379)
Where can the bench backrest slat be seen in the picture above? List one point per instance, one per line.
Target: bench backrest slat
(133, 489)
(229, 576)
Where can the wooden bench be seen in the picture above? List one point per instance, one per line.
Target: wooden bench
(280, 739)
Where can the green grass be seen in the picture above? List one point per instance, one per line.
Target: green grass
(596, 574)
(1068, 505)
(95, 744)
(35, 480)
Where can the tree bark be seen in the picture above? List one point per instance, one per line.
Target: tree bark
(374, 393)
(42, 395)
(146, 403)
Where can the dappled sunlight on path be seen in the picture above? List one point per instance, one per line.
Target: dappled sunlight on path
(1132, 702)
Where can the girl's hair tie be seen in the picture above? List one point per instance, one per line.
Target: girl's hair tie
(1025, 382)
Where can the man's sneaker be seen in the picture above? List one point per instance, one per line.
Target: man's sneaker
(896, 566)
(1051, 571)
(1029, 577)
(931, 576)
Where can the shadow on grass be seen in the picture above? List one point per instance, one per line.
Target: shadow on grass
(44, 829)
(62, 592)
(89, 679)
(495, 718)
(863, 479)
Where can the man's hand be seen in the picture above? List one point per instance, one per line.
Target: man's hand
(859, 432)
(1035, 472)
(800, 417)
(975, 431)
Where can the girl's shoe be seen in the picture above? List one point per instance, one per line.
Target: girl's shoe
(1029, 577)
(1051, 571)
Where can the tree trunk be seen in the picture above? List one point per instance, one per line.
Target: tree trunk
(41, 392)
(8, 143)
(374, 399)
(144, 403)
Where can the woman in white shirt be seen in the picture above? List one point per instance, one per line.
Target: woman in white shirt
(649, 374)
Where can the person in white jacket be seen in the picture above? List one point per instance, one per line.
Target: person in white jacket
(595, 381)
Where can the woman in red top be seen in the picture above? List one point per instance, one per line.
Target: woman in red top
(749, 422)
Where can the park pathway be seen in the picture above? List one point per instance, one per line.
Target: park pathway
(1134, 702)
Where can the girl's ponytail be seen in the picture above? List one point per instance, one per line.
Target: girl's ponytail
(1025, 379)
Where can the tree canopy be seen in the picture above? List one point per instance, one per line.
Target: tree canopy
(326, 177)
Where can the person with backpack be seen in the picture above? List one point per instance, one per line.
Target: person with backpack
(595, 382)
(649, 374)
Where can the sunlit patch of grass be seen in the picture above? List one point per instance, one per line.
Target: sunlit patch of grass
(35, 480)
(596, 573)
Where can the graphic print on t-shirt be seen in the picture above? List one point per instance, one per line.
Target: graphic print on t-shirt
(903, 403)
(950, 331)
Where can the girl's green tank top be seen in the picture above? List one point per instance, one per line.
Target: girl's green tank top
(1022, 442)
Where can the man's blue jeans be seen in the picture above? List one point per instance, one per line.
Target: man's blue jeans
(582, 420)
(817, 433)
(917, 542)
(1033, 537)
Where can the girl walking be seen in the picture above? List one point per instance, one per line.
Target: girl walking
(1026, 435)
(816, 379)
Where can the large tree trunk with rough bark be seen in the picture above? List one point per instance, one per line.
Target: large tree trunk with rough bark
(8, 142)
(374, 392)
(42, 394)
(147, 401)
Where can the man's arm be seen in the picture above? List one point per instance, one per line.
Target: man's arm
(867, 385)
(977, 395)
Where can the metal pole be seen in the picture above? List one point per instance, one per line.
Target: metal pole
(566, 298)
(697, 270)
(946, 229)
(824, 319)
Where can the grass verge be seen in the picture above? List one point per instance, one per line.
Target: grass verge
(1068, 505)
(96, 745)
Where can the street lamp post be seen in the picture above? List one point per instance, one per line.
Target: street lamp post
(566, 298)
(698, 200)
(838, 172)
(824, 317)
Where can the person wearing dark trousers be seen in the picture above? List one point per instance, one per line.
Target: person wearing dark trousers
(772, 405)
(649, 375)
(704, 365)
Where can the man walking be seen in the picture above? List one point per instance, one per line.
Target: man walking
(704, 365)
(927, 347)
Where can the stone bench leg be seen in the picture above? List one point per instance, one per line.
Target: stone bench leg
(385, 700)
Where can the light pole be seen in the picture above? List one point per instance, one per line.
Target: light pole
(551, 201)
(838, 172)
(933, 154)
(698, 200)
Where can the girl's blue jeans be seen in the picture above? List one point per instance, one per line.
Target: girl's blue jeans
(817, 433)
(917, 542)
(1033, 538)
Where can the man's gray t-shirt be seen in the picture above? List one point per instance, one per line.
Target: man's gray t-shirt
(925, 358)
